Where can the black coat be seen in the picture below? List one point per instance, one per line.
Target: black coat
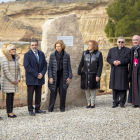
(52, 70)
(119, 74)
(131, 63)
(90, 66)
(32, 68)
(130, 98)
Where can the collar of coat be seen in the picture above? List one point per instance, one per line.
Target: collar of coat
(9, 56)
(31, 52)
(136, 47)
(63, 55)
(87, 51)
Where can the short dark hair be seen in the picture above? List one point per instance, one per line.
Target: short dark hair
(33, 40)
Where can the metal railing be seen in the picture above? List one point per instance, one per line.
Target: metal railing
(60, 1)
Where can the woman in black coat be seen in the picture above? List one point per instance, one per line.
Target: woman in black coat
(90, 70)
(59, 74)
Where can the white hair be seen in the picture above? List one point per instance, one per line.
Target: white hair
(136, 36)
(120, 38)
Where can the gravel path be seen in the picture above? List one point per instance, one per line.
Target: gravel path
(77, 123)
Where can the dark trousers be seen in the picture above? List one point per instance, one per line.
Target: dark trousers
(31, 89)
(119, 96)
(9, 102)
(62, 93)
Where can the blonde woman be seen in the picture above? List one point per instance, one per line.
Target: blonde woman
(10, 77)
(59, 74)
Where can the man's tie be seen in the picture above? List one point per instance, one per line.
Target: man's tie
(37, 57)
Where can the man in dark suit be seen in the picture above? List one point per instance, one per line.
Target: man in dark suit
(35, 66)
(119, 58)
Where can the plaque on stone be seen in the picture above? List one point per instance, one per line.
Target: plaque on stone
(68, 40)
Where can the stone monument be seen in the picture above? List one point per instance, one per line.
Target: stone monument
(66, 25)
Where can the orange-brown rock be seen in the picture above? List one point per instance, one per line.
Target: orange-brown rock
(23, 21)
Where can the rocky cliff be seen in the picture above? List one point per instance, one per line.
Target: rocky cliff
(22, 20)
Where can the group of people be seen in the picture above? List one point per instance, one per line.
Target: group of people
(60, 73)
(125, 69)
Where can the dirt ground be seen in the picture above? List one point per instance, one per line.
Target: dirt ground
(18, 103)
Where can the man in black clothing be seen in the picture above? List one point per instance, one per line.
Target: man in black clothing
(119, 58)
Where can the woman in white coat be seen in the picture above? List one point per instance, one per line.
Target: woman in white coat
(10, 76)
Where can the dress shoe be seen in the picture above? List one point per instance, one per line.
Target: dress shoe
(135, 106)
(62, 110)
(15, 115)
(40, 111)
(31, 113)
(9, 116)
(92, 106)
(115, 105)
(88, 106)
(50, 110)
(122, 105)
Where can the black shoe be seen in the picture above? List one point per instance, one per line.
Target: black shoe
(115, 105)
(15, 115)
(31, 113)
(92, 106)
(62, 110)
(88, 106)
(0, 118)
(40, 111)
(9, 116)
(122, 105)
(135, 106)
(50, 110)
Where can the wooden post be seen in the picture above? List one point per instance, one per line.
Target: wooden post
(21, 91)
(114, 41)
(2, 94)
(103, 44)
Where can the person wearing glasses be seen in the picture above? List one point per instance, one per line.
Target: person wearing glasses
(119, 58)
(10, 76)
(134, 73)
(35, 68)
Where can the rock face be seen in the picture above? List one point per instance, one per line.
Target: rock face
(64, 26)
(23, 21)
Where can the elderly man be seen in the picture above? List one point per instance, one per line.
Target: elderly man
(119, 58)
(134, 73)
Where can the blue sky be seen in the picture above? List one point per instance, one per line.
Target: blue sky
(6, 0)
